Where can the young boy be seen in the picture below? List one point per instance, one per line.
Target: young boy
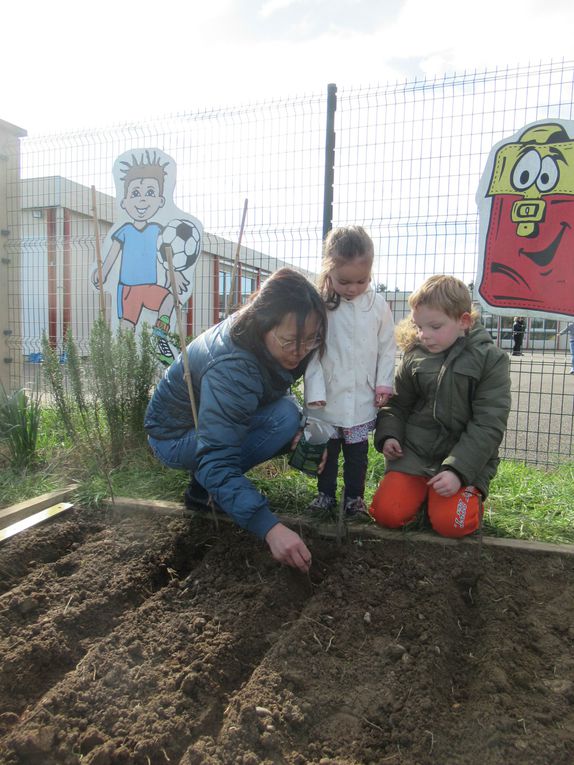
(440, 433)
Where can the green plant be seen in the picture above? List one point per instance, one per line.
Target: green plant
(101, 399)
(122, 379)
(19, 421)
(54, 376)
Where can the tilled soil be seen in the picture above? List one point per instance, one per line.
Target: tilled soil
(151, 640)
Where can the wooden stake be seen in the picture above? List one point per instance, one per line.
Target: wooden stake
(98, 254)
(236, 262)
(181, 333)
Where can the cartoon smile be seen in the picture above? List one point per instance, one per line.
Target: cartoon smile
(527, 221)
(545, 257)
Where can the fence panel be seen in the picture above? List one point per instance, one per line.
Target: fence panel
(408, 158)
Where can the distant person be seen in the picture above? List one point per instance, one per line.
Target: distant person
(241, 371)
(569, 329)
(354, 377)
(518, 328)
(441, 431)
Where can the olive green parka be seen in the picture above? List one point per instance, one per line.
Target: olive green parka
(450, 410)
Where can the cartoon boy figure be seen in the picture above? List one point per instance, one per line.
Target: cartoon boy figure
(136, 242)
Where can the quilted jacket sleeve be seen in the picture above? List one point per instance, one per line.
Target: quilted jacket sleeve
(229, 398)
(485, 430)
(391, 420)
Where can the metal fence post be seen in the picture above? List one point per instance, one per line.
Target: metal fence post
(329, 159)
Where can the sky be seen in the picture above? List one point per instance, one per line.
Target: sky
(68, 65)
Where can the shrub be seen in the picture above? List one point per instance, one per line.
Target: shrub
(19, 421)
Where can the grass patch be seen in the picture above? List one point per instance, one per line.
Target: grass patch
(17, 486)
(525, 502)
(528, 503)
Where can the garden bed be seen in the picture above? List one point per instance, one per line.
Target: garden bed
(150, 639)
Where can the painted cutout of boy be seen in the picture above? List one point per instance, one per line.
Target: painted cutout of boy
(526, 205)
(142, 176)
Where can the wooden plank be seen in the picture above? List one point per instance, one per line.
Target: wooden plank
(33, 520)
(161, 507)
(14, 513)
(358, 531)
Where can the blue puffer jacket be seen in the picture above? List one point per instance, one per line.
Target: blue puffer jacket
(229, 385)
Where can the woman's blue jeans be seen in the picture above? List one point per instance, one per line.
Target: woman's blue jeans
(270, 432)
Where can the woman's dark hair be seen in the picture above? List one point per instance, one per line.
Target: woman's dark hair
(285, 292)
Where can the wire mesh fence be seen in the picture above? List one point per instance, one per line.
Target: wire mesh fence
(407, 162)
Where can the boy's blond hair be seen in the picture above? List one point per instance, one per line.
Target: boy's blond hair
(444, 293)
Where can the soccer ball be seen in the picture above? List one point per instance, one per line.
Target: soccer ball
(184, 238)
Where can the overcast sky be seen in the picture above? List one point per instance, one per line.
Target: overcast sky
(69, 64)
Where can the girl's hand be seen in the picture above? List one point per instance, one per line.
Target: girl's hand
(446, 483)
(316, 404)
(392, 449)
(287, 547)
(382, 399)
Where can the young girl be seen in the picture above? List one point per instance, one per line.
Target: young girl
(354, 376)
(441, 431)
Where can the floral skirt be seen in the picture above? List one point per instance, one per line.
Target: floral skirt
(355, 434)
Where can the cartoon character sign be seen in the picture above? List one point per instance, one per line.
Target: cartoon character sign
(136, 261)
(526, 205)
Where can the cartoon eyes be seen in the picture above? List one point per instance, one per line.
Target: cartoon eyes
(548, 174)
(532, 168)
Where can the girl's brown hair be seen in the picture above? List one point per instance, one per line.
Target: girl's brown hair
(342, 245)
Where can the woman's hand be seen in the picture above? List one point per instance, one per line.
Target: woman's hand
(392, 449)
(446, 483)
(296, 439)
(323, 462)
(287, 547)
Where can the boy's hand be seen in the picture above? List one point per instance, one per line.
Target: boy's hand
(392, 449)
(317, 404)
(446, 483)
(382, 399)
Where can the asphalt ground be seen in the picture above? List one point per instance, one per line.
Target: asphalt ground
(540, 424)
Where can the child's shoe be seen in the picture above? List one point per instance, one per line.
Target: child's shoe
(160, 332)
(355, 506)
(322, 503)
(197, 498)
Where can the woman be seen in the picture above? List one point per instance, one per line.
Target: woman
(241, 371)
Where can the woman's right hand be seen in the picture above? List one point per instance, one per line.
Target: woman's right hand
(287, 547)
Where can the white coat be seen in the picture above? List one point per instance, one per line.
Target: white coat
(359, 357)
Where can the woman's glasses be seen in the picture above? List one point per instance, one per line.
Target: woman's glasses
(291, 345)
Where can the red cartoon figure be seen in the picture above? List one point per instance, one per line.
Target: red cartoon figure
(526, 201)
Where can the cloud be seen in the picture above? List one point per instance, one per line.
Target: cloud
(129, 63)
